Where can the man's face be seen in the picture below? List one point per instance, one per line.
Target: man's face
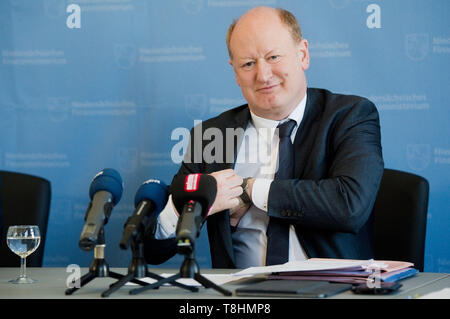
(269, 65)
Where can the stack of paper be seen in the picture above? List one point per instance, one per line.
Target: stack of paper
(337, 270)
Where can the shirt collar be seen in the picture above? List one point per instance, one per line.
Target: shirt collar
(296, 115)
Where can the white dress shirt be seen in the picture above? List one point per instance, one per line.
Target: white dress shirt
(257, 157)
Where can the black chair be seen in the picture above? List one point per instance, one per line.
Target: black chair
(400, 217)
(24, 200)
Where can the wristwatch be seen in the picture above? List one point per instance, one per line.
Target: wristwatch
(244, 196)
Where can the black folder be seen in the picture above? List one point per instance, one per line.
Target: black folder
(293, 288)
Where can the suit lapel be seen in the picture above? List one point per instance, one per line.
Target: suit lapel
(306, 132)
(238, 125)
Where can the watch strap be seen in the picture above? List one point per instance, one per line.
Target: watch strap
(244, 196)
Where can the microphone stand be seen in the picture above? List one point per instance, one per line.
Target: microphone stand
(138, 269)
(99, 268)
(189, 269)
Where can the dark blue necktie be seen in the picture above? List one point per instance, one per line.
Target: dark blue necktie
(278, 229)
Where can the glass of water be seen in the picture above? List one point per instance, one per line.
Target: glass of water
(23, 241)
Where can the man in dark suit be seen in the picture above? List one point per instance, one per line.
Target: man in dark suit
(318, 201)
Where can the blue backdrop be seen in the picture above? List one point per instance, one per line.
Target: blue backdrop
(90, 84)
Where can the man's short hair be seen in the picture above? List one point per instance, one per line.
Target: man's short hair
(286, 17)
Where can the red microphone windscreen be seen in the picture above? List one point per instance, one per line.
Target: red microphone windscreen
(201, 188)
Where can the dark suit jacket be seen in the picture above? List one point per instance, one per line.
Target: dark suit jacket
(338, 168)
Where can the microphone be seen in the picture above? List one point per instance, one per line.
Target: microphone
(193, 196)
(105, 192)
(150, 200)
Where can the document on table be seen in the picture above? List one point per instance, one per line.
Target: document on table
(336, 270)
(307, 265)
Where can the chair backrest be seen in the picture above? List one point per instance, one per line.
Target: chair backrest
(24, 200)
(400, 216)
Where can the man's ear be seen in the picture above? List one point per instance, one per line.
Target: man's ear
(304, 53)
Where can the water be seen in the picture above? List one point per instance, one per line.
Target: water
(23, 246)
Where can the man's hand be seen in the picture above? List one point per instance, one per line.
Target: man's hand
(228, 190)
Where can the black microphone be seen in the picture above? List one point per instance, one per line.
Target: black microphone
(193, 196)
(150, 200)
(105, 192)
